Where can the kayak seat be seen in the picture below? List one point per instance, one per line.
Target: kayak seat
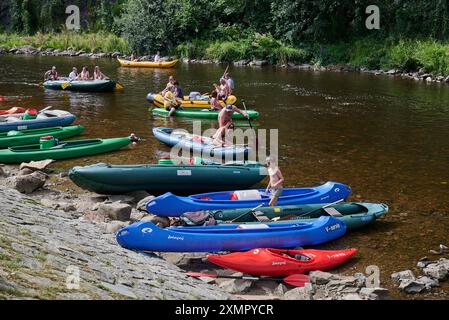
(301, 257)
(333, 212)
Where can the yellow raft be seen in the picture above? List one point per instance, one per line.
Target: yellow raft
(204, 103)
(147, 64)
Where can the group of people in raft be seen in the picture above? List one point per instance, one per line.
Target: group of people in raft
(173, 96)
(84, 75)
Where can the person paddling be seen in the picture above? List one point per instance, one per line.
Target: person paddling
(275, 186)
(74, 74)
(230, 82)
(51, 74)
(223, 90)
(214, 102)
(134, 56)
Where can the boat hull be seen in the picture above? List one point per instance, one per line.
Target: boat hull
(145, 236)
(113, 179)
(171, 205)
(81, 86)
(281, 263)
(147, 64)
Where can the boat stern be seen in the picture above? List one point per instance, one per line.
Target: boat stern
(151, 97)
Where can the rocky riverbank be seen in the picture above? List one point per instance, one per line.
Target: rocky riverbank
(418, 75)
(47, 230)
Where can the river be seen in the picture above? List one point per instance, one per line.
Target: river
(385, 137)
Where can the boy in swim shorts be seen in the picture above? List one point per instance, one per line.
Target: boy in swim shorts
(275, 186)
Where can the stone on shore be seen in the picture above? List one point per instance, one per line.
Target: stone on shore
(36, 165)
(142, 205)
(236, 285)
(115, 211)
(27, 183)
(114, 226)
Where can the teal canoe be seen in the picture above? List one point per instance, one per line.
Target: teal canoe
(25, 137)
(354, 214)
(84, 86)
(64, 150)
(159, 178)
(202, 114)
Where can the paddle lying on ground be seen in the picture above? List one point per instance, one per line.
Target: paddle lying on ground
(296, 280)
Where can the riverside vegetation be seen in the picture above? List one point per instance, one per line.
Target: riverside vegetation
(319, 33)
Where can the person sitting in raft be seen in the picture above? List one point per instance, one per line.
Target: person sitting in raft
(51, 74)
(223, 90)
(170, 103)
(84, 75)
(98, 75)
(276, 181)
(177, 92)
(214, 102)
(134, 56)
(170, 85)
(229, 81)
(157, 57)
(74, 74)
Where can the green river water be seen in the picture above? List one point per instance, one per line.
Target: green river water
(386, 137)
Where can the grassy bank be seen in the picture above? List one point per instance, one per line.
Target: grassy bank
(405, 54)
(89, 42)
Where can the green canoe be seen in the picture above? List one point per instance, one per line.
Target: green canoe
(354, 214)
(202, 113)
(112, 179)
(64, 150)
(82, 86)
(26, 137)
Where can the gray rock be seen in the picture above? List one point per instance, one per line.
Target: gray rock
(183, 259)
(360, 279)
(259, 63)
(25, 172)
(300, 293)
(351, 296)
(115, 211)
(116, 55)
(114, 226)
(121, 198)
(29, 183)
(143, 203)
(403, 275)
(374, 294)
(3, 173)
(136, 215)
(320, 277)
(236, 285)
(428, 282)
(412, 286)
(436, 271)
(280, 290)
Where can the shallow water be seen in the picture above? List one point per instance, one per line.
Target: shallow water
(385, 137)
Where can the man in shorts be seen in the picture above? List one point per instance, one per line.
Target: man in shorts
(275, 186)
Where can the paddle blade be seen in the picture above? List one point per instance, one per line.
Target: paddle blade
(199, 274)
(119, 87)
(297, 280)
(65, 85)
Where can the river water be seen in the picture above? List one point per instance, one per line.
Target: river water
(386, 137)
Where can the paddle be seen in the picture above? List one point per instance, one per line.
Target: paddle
(246, 213)
(296, 280)
(249, 120)
(119, 86)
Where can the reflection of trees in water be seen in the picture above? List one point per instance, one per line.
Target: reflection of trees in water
(152, 77)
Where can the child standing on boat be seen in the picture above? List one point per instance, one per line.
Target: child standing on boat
(276, 181)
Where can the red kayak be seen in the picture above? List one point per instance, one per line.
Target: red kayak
(278, 262)
(12, 111)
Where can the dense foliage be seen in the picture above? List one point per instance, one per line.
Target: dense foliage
(412, 33)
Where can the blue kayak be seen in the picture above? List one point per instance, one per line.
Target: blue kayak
(46, 119)
(145, 236)
(201, 146)
(170, 205)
